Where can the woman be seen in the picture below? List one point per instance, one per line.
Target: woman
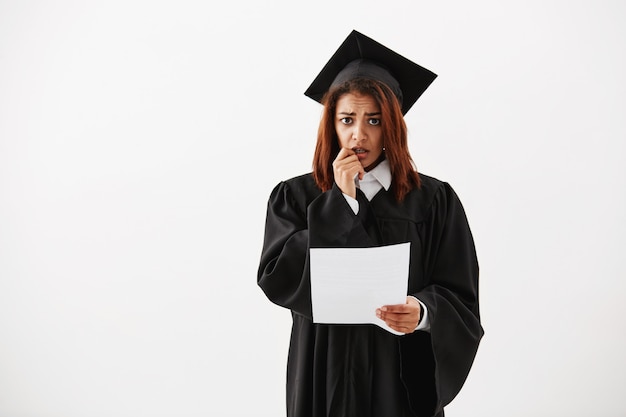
(364, 192)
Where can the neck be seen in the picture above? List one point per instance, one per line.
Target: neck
(373, 165)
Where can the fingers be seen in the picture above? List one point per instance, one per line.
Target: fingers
(348, 168)
(398, 308)
(402, 327)
(401, 323)
(347, 162)
(345, 169)
(400, 317)
(343, 153)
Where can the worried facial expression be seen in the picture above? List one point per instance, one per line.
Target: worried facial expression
(357, 123)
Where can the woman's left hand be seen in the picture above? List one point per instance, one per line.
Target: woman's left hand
(401, 317)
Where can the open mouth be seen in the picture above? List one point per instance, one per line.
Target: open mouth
(359, 150)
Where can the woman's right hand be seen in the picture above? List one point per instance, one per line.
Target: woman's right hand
(345, 169)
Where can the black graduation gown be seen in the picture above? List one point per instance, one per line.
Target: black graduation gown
(363, 370)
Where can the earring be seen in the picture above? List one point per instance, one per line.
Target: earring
(383, 149)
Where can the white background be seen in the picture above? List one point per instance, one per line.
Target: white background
(139, 141)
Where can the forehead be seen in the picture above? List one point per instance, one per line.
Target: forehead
(354, 101)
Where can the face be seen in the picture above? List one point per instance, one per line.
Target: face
(357, 123)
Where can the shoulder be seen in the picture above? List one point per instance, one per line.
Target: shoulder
(430, 185)
(429, 189)
(300, 186)
(439, 196)
(432, 194)
(304, 181)
(297, 191)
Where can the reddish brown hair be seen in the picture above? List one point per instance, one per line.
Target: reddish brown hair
(404, 177)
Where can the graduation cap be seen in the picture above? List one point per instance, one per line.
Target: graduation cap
(360, 56)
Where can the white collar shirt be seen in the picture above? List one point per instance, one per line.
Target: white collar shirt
(372, 182)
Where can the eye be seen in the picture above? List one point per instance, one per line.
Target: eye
(374, 122)
(346, 120)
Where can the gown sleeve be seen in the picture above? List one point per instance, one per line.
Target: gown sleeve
(292, 226)
(436, 365)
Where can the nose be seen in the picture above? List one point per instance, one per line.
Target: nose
(359, 132)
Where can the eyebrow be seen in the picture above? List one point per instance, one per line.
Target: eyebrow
(343, 113)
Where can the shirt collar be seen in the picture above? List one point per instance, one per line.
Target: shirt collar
(381, 173)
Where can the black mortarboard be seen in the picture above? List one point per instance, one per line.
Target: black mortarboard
(360, 56)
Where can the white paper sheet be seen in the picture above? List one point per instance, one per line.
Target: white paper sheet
(349, 284)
